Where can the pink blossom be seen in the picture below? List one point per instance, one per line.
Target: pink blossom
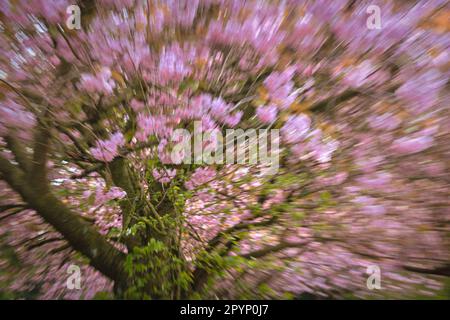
(296, 128)
(281, 88)
(98, 83)
(386, 121)
(102, 196)
(376, 180)
(107, 150)
(358, 75)
(409, 145)
(200, 176)
(137, 105)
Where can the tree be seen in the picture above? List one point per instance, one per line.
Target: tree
(91, 174)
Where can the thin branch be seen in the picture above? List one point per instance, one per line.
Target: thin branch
(439, 271)
(272, 249)
(11, 213)
(44, 242)
(12, 206)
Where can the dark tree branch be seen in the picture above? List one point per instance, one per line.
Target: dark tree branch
(44, 242)
(272, 249)
(38, 172)
(439, 271)
(344, 96)
(11, 206)
(11, 213)
(19, 152)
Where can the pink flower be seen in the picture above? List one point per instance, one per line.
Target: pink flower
(295, 128)
(107, 150)
(172, 66)
(267, 114)
(233, 119)
(164, 175)
(358, 75)
(99, 83)
(280, 87)
(386, 121)
(407, 145)
(374, 210)
(200, 176)
(219, 108)
(116, 193)
(102, 196)
(421, 91)
(369, 207)
(137, 105)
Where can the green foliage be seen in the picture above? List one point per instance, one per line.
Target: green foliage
(156, 268)
(102, 295)
(287, 180)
